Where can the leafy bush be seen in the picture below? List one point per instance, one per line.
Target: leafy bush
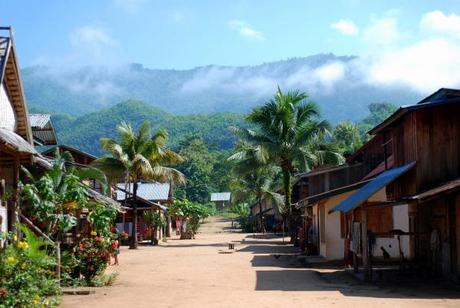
(27, 273)
(242, 213)
(191, 213)
(92, 255)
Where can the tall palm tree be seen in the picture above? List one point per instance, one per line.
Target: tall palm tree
(290, 134)
(136, 156)
(253, 178)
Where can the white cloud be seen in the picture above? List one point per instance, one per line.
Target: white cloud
(91, 35)
(382, 31)
(423, 66)
(130, 6)
(92, 45)
(346, 27)
(439, 23)
(244, 29)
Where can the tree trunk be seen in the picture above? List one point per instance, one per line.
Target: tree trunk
(287, 204)
(134, 230)
(261, 221)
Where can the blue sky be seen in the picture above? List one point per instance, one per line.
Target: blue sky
(185, 34)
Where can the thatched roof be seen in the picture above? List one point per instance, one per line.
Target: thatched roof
(16, 142)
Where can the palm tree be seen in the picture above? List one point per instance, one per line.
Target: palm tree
(136, 156)
(290, 135)
(253, 178)
(347, 137)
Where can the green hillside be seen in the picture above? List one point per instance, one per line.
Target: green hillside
(84, 132)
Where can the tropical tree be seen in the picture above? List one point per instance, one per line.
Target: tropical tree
(347, 137)
(290, 134)
(53, 198)
(253, 179)
(136, 156)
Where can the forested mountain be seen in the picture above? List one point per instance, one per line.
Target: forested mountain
(335, 83)
(85, 131)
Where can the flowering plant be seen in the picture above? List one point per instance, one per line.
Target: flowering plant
(27, 277)
(92, 255)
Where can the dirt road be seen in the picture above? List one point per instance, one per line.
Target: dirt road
(204, 273)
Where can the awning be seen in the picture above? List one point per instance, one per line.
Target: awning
(371, 188)
(13, 140)
(311, 200)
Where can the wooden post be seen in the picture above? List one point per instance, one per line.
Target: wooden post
(365, 245)
(15, 210)
(355, 253)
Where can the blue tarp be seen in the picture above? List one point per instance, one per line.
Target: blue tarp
(371, 188)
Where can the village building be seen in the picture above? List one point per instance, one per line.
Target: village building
(221, 199)
(16, 141)
(151, 196)
(271, 217)
(17, 138)
(397, 197)
(42, 129)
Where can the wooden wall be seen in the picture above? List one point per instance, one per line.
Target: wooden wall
(438, 145)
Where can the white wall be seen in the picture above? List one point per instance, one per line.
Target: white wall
(400, 221)
(7, 115)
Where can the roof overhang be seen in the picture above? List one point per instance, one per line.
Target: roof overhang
(432, 193)
(15, 142)
(371, 188)
(406, 109)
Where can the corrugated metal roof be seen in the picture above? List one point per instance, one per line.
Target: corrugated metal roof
(42, 129)
(371, 188)
(222, 196)
(153, 191)
(39, 120)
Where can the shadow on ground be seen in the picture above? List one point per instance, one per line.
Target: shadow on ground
(289, 274)
(308, 280)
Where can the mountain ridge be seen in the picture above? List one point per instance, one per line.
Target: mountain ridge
(327, 78)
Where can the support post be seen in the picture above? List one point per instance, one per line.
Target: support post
(15, 210)
(365, 246)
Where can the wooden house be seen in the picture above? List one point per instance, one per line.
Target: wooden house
(407, 204)
(16, 141)
(271, 216)
(151, 196)
(221, 199)
(42, 129)
(17, 138)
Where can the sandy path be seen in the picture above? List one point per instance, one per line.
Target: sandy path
(196, 273)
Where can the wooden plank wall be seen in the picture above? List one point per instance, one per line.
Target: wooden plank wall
(438, 145)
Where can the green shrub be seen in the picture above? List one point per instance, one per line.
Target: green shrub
(27, 273)
(92, 255)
